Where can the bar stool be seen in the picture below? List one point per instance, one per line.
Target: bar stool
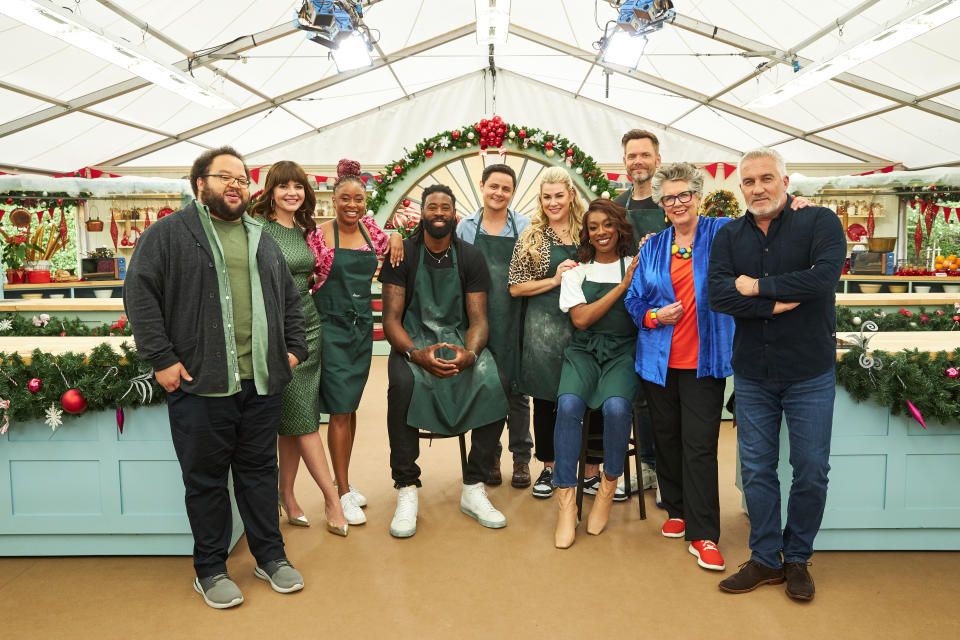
(428, 435)
(632, 449)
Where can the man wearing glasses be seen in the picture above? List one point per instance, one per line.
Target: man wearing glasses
(216, 313)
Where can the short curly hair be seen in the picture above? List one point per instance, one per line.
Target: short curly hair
(202, 164)
(675, 171)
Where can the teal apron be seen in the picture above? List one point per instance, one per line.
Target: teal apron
(472, 398)
(546, 333)
(503, 310)
(646, 221)
(343, 303)
(599, 363)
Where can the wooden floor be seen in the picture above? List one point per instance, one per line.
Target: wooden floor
(455, 579)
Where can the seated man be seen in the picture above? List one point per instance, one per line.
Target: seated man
(441, 379)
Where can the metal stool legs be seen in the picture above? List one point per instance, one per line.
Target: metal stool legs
(632, 449)
(427, 435)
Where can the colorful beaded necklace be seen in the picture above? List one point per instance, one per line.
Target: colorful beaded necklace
(683, 253)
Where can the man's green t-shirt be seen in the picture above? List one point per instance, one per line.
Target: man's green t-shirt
(233, 238)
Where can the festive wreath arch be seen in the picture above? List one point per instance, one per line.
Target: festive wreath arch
(492, 136)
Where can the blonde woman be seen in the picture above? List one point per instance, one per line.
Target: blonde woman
(543, 252)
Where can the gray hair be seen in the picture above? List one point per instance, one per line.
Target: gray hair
(764, 152)
(675, 171)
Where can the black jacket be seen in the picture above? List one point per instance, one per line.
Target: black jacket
(172, 299)
(798, 260)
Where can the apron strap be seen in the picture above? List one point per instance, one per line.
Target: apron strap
(513, 224)
(363, 232)
(623, 270)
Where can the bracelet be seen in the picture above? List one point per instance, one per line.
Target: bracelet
(653, 317)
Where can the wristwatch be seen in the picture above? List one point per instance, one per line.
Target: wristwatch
(406, 354)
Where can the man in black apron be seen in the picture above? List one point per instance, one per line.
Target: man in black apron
(494, 229)
(441, 379)
(641, 158)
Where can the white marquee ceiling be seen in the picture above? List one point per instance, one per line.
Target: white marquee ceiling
(61, 108)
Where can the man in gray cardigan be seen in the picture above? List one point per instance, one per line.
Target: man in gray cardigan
(216, 313)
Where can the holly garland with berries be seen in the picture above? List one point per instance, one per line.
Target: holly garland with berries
(943, 318)
(12, 324)
(74, 383)
(484, 135)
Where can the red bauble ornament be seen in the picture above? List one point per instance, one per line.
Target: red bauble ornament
(73, 402)
(522, 133)
(34, 385)
(956, 318)
(924, 319)
(951, 372)
(397, 169)
(548, 146)
(569, 152)
(64, 333)
(497, 119)
(406, 202)
(455, 135)
(428, 153)
(9, 200)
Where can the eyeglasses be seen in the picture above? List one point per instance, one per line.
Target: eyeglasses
(683, 197)
(226, 181)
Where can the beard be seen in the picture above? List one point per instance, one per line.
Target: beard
(641, 175)
(220, 209)
(439, 232)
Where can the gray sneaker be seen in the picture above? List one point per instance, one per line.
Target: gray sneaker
(218, 591)
(281, 575)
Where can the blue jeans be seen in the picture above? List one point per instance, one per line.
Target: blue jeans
(568, 432)
(808, 406)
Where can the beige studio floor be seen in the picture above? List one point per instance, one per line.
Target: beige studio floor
(455, 579)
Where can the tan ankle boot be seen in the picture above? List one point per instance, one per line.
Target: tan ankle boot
(600, 513)
(566, 517)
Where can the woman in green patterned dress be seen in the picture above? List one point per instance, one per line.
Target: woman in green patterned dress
(287, 204)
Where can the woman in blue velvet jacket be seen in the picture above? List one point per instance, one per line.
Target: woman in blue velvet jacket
(683, 357)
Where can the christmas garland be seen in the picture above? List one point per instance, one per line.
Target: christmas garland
(74, 382)
(491, 133)
(921, 384)
(12, 324)
(720, 204)
(944, 318)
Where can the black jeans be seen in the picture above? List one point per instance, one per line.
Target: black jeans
(213, 436)
(686, 427)
(405, 440)
(544, 421)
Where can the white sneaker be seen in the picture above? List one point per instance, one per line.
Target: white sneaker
(621, 493)
(475, 503)
(358, 497)
(351, 511)
(649, 476)
(404, 523)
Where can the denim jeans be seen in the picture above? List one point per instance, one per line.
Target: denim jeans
(568, 433)
(808, 406)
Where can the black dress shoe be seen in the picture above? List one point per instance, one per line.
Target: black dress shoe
(752, 574)
(799, 582)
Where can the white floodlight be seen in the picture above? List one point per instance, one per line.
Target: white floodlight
(623, 48)
(920, 19)
(353, 52)
(59, 23)
(493, 21)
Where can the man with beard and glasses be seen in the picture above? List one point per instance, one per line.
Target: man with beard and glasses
(441, 379)
(217, 315)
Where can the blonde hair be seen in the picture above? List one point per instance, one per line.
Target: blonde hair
(533, 239)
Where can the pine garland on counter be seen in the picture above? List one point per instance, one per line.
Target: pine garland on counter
(943, 318)
(12, 324)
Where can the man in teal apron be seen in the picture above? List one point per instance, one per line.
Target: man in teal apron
(441, 379)
(494, 229)
(641, 158)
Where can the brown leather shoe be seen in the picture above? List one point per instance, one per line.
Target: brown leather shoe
(495, 479)
(566, 517)
(752, 574)
(521, 475)
(600, 513)
(799, 582)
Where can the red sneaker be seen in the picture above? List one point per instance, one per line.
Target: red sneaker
(674, 528)
(708, 555)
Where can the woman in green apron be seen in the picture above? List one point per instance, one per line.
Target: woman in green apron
(543, 252)
(347, 250)
(598, 365)
(287, 204)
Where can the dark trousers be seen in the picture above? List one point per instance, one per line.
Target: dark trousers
(405, 440)
(213, 436)
(686, 427)
(517, 423)
(544, 419)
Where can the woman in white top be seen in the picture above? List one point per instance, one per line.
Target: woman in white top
(598, 365)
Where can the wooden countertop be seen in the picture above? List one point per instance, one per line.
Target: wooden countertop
(892, 341)
(81, 284)
(50, 305)
(896, 299)
(24, 345)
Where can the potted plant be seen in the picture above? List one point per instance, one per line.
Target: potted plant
(14, 252)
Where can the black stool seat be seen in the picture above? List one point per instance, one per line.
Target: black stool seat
(429, 435)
